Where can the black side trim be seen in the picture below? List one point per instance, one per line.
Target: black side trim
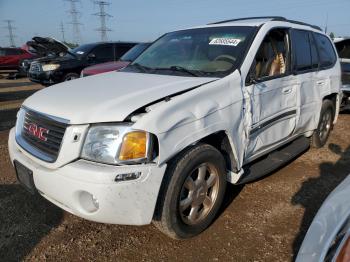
(271, 121)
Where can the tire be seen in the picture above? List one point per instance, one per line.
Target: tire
(70, 76)
(325, 125)
(191, 193)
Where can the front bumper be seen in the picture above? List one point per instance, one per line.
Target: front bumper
(47, 78)
(128, 202)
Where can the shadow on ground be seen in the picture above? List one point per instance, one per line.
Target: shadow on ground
(315, 190)
(24, 220)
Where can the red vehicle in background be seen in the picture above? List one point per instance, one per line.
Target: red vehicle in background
(10, 58)
(124, 61)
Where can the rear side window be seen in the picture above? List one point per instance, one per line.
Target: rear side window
(301, 51)
(314, 54)
(104, 52)
(121, 49)
(325, 50)
(11, 51)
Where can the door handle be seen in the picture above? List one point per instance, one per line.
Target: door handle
(320, 83)
(287, 91)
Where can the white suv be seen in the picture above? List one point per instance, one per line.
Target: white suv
(229, 101)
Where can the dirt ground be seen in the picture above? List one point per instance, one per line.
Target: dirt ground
(261, 221)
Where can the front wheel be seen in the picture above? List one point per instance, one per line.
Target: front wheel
(191, 193)
(70, 76)
(321, 134)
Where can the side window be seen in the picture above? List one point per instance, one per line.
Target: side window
(121, 49)
(343, 48)
(104, 53)
(325, 50)
(302, 57)
(314, 54)
(12, 51)
(272, 58)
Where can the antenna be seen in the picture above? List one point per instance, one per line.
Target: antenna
(75, 20)
(103, 15)
(10, 29)
(326, 27)
(62, 31)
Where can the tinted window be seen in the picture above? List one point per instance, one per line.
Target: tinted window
(11, 51)
(104, 52)
(121, 49)
(2, 52)
(314, 53)
(301, 50)
(325, 50)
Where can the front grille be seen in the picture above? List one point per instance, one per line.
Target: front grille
(43, 133)
(35, 67)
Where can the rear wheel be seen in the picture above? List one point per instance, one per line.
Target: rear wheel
(70, 76)
(321, 134)
(191, 193)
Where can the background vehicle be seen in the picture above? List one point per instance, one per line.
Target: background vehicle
(328, 237)
(124, 61)
(10, 58)
(69, 63)
(158, 141)
(343, 48)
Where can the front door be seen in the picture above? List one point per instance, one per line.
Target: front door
(273, 95)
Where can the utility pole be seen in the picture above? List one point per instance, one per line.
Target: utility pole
(103, 15)
(62, 31)
(10, 29)
(74, 13)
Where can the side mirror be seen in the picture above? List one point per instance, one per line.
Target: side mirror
(91, 56)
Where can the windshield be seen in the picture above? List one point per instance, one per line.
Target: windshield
(134, 52)
(208, 52)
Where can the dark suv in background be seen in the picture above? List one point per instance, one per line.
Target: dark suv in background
(68, 64)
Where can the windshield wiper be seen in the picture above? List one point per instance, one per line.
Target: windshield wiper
(142, 68)
(177, 69)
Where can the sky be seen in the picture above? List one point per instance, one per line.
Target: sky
(146, 20)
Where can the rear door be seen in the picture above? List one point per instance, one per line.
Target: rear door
(103, 53)
(305, 66)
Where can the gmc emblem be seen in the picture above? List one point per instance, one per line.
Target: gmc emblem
(37, 131)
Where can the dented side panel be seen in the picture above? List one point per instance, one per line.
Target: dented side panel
(185, 119)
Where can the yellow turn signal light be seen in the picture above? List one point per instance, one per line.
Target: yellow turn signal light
(134, 146)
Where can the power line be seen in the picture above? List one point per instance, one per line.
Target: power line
(75, 20)
(62, 32)
(10, 29)
(103, 29)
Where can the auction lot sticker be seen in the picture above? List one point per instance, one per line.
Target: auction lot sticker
(225, 41)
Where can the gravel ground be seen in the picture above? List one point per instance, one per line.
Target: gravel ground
(261, 221)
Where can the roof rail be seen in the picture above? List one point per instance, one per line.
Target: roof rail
(302, 23)
(272, 18)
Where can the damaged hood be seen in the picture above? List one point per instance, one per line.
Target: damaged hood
(47, 45)
(108, 97)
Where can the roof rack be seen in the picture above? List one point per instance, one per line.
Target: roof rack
(302, 23)
(272, 18)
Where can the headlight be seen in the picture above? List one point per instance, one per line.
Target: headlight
(116, 144)
(50, 67)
